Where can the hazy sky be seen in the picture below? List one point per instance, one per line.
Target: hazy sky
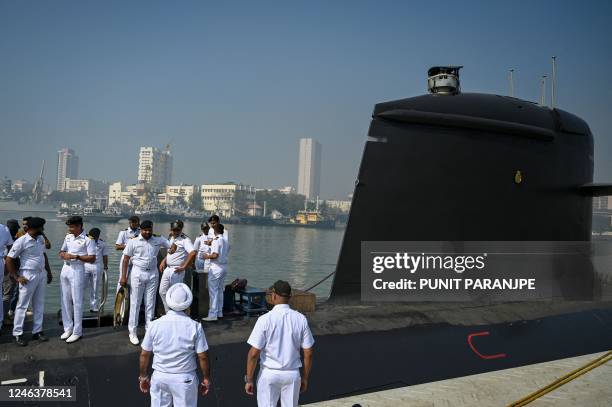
(234, 86)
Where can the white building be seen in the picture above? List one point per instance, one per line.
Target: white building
(287, 190)
(227, 200)
(343, 206)
(155, 167)
(89, 186)
(22, 185)
(309, 168)
(602, 203)
(176, 194)
(67, 166)
(130, 195)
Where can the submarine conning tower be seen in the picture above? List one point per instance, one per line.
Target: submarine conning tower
(452, 166)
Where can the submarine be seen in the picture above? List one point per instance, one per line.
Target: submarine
(444, 166)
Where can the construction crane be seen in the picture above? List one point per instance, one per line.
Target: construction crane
(37, 191)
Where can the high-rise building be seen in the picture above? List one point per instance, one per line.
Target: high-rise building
(309, 168)
(155, 167)
(67, 166)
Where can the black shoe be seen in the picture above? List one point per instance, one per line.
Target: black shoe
(40, 336)
(19, 341)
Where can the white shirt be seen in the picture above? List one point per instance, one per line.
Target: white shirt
(202, 248)
(219, 246)
(5, 240)
(101, 250)
(126, 235)
(81, 245)
(279, 335)
(175, 339)
(211, 234)
(143, 253)
(30, 252)
(183, 248)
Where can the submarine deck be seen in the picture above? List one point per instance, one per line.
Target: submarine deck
(405, 344)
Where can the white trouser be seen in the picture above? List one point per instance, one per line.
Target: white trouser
(174, 389)
(129, 272)
(202, 265)
(71, 287)
(168, 279)
(216, 285)
(93, 278)
(33, 291)
(143, 284)
(278, 384)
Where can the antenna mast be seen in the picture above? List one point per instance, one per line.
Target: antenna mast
(553, 85)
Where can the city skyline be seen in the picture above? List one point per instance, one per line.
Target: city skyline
(236, 86)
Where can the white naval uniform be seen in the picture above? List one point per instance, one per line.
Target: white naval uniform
(71, 281)
(211, 235)
(216, 277)
(31, 254)
(143, 279)
(93, 274)
(5, 240)
(169, 277)
(122, 239)
(202, 264)
(279, 335)
(174, 339)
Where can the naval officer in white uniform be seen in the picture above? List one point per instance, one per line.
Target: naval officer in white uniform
(175, 341)
(124, 236)
(202, 246)
(179, 257)
(30, 250)
(216, 274)
(142, 253)
(6, 240)
(76, 250)
(93, 271)
(276, 340)
(212, 221)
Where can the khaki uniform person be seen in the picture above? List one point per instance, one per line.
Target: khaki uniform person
(175, 341)
(277, 339)
(76, 250)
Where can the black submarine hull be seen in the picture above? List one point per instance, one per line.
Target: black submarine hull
(468, 167)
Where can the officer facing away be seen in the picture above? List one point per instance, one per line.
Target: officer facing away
(276, 340)
(175, 340)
